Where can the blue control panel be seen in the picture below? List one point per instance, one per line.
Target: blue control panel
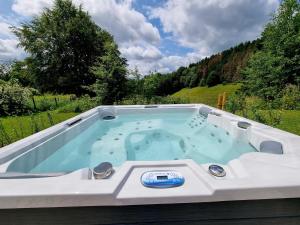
(162, 179)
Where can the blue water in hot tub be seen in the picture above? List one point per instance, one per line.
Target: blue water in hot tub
(146, 137)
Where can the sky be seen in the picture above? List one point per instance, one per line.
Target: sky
(154, 35)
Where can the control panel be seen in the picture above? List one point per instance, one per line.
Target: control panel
(162, 179)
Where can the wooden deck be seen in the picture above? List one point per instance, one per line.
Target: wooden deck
(258, 212)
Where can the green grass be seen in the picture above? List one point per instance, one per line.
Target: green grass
(290, 121)
(48, 102)
(19, 127)
(206, 95)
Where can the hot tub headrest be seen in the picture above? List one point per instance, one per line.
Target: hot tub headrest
(272, 147)
(204, 111)
(243, 124)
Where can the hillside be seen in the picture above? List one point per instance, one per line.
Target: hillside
(206, 95)
(224, 67)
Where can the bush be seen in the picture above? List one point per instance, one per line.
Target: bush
(141, 100)
(236, 102)
(290, 97)
(254, 108)
(13, 99)
(79, 105)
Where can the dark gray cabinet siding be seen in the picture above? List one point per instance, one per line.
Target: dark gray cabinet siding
(258, 212)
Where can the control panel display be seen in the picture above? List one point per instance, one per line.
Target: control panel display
(162, 179)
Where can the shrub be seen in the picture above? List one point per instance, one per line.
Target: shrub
(79, 105)
(13, 99)
(290, 97)
(236, 102)
(141, 100)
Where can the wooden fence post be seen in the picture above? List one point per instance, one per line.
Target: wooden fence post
(33, 101)
(56, 104)
(224, 100)
(220, 100)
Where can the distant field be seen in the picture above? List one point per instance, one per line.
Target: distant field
(19, 127)
(206, 95)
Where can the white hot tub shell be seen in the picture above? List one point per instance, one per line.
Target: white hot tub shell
(252, 176)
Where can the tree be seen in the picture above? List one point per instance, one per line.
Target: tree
(22, 72)
(278, 62)
(264, 75)
(135, 82)
(63, 43)
(4, 72)
(110, 72)
(152, 84)
(212, 79)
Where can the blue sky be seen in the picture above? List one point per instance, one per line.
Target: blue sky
(155, 35)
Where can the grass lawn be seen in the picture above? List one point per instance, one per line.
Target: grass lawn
(206, 95)
(19, 127)
(290, 121)
(290, 118)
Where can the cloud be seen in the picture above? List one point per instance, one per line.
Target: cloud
(164, 64)
(30, 7)
(4, 29)
(116, 16)
(149, 53)
(119, 18)
(209, 26)
(9, 50)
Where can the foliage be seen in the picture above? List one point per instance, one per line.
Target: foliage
(4, 72)
(278, 62)
(135, 83)
(141, 100)
(63, 43)
(254, 108)
(224, 67)
(47, 102)
(152, 85)
(212, 79)
(290, 97)
(13, 99)
(21, 71)
(235, 102)
(14, 128)
(110, 72)
(264, 75)
(79, 105)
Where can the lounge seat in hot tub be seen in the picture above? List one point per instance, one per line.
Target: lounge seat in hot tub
(272, 147)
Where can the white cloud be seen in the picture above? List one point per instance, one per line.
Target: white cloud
(149, 53)
(116, 16)
(119, 18)
(30, 7)
(164, 64)
(9, 50)
(213, 25)
(4, 29)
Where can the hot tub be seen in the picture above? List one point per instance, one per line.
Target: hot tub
(53, 168)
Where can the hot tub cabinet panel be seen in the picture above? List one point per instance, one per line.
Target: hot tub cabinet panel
(260, 184)
(259, 212)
